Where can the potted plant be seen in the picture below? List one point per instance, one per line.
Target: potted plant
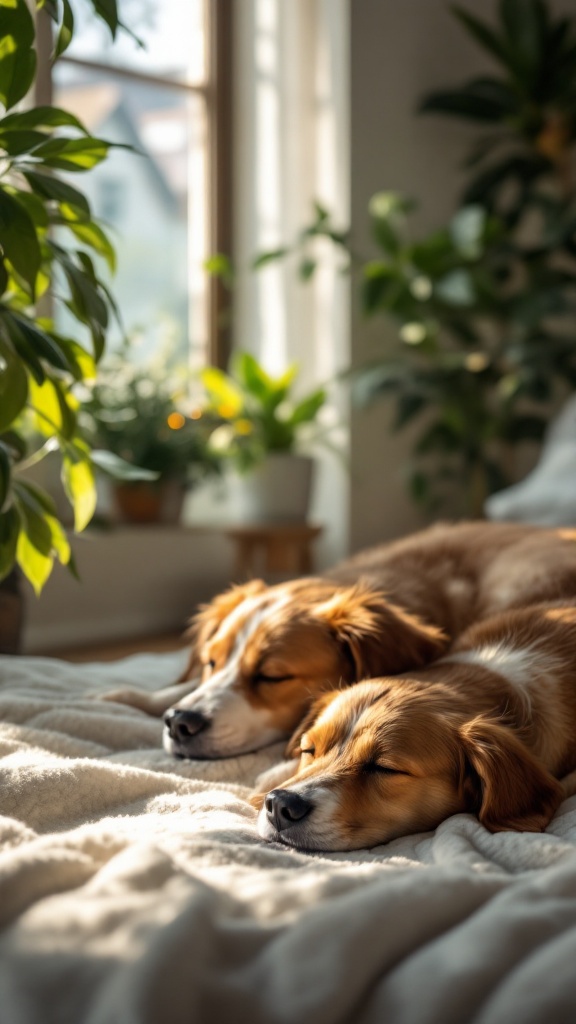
(141, 413)
(483, 348)
(264, 438)
(40, 148)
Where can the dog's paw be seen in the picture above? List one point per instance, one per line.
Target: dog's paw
(135, 698)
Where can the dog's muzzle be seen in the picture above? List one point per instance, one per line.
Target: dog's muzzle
(285, 808)
(182, 725)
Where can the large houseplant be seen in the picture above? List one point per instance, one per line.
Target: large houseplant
(484, 347)
(47, 235)
(265, 437)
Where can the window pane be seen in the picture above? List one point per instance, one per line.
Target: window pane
(153, 202)
(172, 31)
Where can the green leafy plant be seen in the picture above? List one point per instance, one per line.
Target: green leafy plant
(259, 413)
(483, 308)
(48, 241)
(528, 109)
(141, 414)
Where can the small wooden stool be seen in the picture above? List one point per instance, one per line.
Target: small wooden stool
(273, 548)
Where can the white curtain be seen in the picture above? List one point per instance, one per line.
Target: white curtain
(291, 147)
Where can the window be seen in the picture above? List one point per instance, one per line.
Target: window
(163, 204)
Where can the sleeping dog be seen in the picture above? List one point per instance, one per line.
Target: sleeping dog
(260, 655)
(489, 729)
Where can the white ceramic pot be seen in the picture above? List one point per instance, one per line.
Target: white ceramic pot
(277, 490)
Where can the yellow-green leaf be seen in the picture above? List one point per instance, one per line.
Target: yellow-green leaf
(80, 487)
(35, 565)
(60, 541)
(34, 547)
(224, 395)
(82, 362)
(91, 234)
(55, 411)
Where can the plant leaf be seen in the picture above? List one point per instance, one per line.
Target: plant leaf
(523, 428)
(456, 288)
(13, 386)
(482, 33)
(49, 187)
(41, 499)
(42, 117)
(483, 188)
(306, 269)
(18, 239)
(74, 154)
(306, 410)
(252, 376)
(53, 411)
(467, 230)
(118, 468)
(42, 504)
(269, 257)
(525, 24)
(108, 11)
(39, 343)
(375, 380)
(82, 364)
(408, 406)
(9, 530)
(464, 103)
(224, 394)
(17, 56)
(91, 234)
(5, 471)
(220, 265)
(377, 280)
(65, 31)
(80, 486)
(15, 142)
(34, 545)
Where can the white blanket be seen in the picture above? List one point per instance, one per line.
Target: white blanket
(135, 890)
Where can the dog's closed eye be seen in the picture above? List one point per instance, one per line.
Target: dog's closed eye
(263, 677)
(374, 768)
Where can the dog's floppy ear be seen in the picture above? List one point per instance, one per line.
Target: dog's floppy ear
(506, 786)
(381, 638)
(293, 745)
(209, 616)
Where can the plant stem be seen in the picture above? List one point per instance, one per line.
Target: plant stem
(50, 446)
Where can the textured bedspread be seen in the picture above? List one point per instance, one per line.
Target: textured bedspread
(135, 890)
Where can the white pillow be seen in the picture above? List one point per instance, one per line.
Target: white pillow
(547, 496)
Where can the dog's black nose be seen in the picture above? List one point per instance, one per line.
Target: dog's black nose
(284, 807)
(182, 724)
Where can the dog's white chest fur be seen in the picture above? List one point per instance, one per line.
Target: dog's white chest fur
(519, 665)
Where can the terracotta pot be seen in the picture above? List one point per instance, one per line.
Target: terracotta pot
(143, 502)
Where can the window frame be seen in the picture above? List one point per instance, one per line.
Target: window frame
(217, 92)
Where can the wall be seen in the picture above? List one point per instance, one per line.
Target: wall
(134, 581)
(398, 52)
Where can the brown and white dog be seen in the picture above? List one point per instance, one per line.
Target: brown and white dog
(261, 654)
(489, 729)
